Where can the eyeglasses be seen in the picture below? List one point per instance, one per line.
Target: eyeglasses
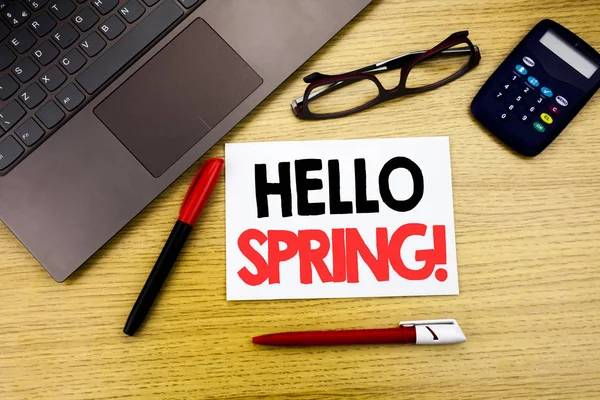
(334, 96)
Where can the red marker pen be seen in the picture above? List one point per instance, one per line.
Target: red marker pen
(194, 201)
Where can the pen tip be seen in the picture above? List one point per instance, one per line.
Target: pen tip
(257, 340)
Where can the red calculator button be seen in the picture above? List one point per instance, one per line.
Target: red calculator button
(553, 109)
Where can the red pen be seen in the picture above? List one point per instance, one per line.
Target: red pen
(441, 331)
(194, 201)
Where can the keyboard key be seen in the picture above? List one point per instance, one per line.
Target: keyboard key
(72, 61)
(498, 95)
(539, 101)
(30, 132)
(507, 87)
(511, 107)
(553, 109)
(129, 46)
(514, 78)
(36, 4)
(131, 11)
(85, 19)
(92, 44)
(504, 116)
(526, 90)
(42, 24)
(150, 3)
(8, 87)
(50, 114)
(531, 109)
(10, 150)
(533, 81)
(10, 115)
(70, 97)
(189, 3)
(32, 96)
(16, 14)
(4, 30)
(25, 69)
(112, 27)
(45, 53)
(65, 36)
(521, 69)
(104, 6)
(525, 118)
(62, 8)
(22, 41)
(546, 118)
(561, 101)
(6, 57)
(546, 92)
(539, 127)
(2, 4)
(53, 78)
(519, 98)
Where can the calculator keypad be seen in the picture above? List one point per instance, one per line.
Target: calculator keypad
(528, 98)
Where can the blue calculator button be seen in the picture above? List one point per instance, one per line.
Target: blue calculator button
(533, 82)
(521, 69)
(546, 92)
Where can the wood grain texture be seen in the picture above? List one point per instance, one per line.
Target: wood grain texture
(527, 233)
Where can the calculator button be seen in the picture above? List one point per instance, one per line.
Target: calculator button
(528, 61)
(539, 101)
(532, 81)
(499, 95)
(511, 107)
(525, 118)
(514, 78)
(507, 87)
(546, 118)
(538, 126)
(521, 69)
(546, 92)
(531, 109)
(562, 101)
(553, 109)
(526, 90)
(503, 116)
(519, 98)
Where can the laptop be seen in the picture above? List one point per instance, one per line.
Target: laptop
(104, 103)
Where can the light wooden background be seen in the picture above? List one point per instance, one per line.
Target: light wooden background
(528, 242)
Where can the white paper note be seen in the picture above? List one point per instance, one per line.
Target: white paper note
(340, 218)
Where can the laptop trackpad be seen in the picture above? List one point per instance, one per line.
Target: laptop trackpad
(178, 96)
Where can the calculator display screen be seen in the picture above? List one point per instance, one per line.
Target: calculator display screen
(569, 54)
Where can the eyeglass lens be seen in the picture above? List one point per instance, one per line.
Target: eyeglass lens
(347, 96)
(437, 68)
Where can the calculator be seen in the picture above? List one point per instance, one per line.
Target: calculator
(539, 88)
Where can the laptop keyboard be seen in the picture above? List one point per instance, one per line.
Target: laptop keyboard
(56, 55)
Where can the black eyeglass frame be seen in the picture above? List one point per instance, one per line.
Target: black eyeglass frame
(406, 62)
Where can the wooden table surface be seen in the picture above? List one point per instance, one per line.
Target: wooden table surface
(527, 234)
